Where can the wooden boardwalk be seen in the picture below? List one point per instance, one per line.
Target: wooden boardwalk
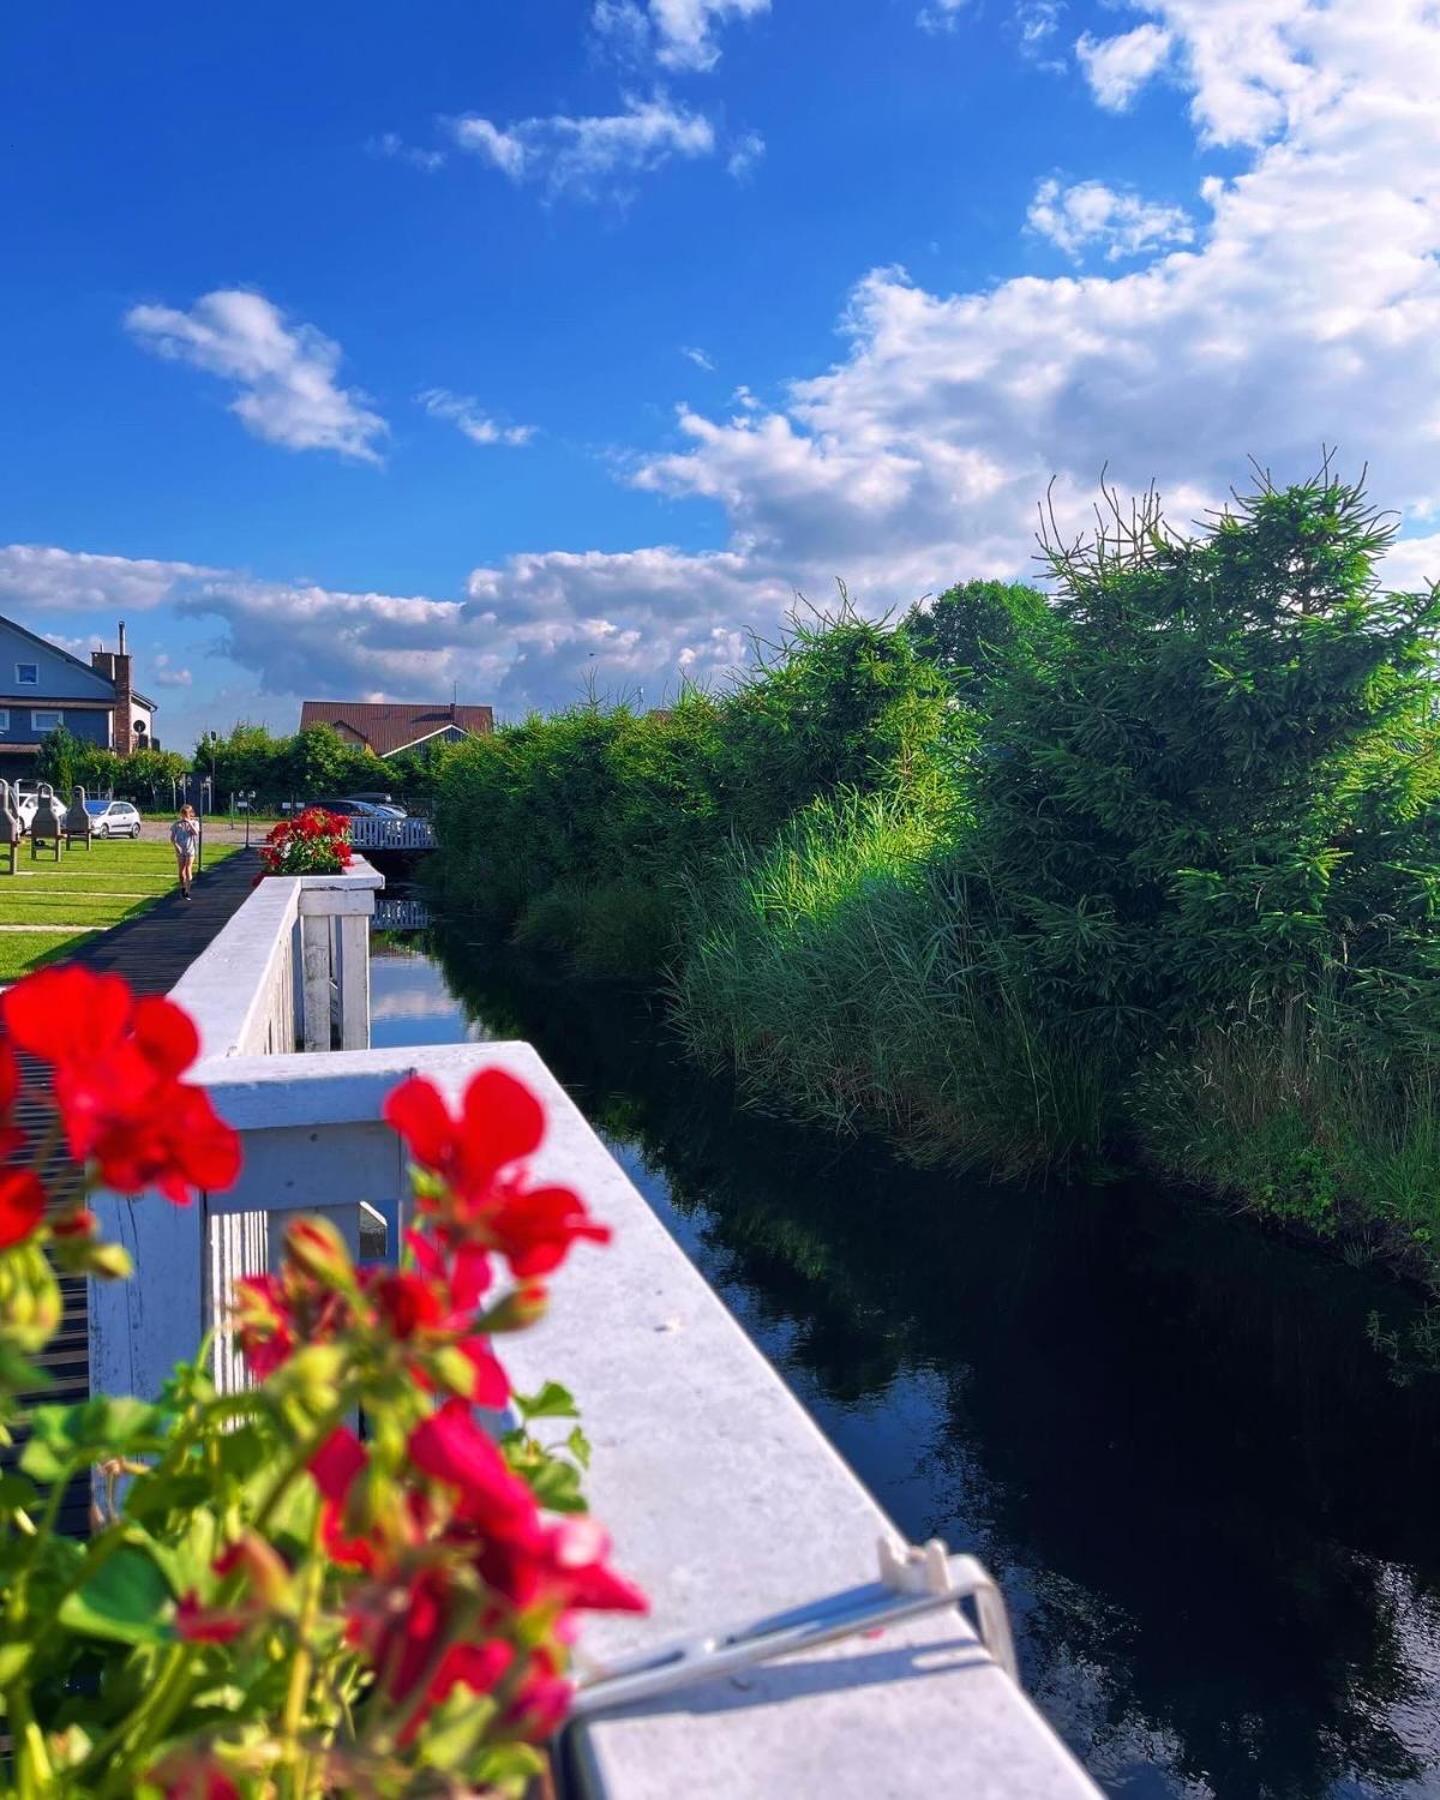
(152, 952)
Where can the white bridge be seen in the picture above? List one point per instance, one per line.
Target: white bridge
(725, 1501)
(392, 834)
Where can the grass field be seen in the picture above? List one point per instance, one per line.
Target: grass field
(86, 890)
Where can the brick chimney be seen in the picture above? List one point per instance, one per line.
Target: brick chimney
(115, 667)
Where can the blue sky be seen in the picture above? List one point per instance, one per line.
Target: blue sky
(369, 350)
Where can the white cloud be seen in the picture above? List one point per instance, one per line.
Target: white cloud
(940, 15)
(484, 139)
(463, 412)
(43, 579)
(1088, 213)
(679, 34)
(745, 155)
(392, 145)
(1118, 67)
(698, 357)
(532, 630)
(1038, 22)
(163, 672)
(587, 157)
(285, 373)
(623, 26)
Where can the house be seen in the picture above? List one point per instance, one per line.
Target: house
(43, 687)
(387, 727)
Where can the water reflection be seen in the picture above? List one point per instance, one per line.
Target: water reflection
(1213, 1513)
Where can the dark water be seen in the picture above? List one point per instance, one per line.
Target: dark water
(1214, 1512)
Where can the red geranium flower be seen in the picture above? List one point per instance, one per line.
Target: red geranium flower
(478, 1155)
(116, 1063)
(450, 1448)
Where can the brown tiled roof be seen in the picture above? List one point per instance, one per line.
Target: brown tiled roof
(387, 726)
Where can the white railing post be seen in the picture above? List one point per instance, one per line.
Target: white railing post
(335, 914)
(140, 1329)
(315, 941)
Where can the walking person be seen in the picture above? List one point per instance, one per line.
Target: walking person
(185, 836)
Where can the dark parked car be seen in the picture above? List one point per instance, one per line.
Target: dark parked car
(348, 809)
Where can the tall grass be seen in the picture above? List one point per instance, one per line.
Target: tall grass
(1307, 1121)
(841, 972)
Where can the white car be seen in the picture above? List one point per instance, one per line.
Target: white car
(113, 818)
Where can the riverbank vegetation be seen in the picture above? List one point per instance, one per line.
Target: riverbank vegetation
(1142, 870)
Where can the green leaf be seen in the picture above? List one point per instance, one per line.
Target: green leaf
(127, 1600)
(16, 1493)
(552, 1402)
(556, 1486)
(455, 1729)
(13, 1658)
(66, 1438)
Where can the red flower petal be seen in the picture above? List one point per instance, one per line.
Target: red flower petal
(450, 1447)
(492, 1385)
(503, 1121)
(166, 1036)
(416, 1110)
(337, 1462)
(22, 1205)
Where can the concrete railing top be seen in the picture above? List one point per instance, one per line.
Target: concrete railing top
(230, 985)
(725, 1501)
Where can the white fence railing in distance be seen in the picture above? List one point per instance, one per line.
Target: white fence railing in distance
(401, 915)
(392, 834)
(725, 1501)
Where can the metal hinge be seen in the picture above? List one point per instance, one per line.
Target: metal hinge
(913, 1581)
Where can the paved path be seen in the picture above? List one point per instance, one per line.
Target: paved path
(152, 953)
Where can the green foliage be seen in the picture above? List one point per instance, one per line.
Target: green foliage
(1221, 782)
(314, 764)
(1028, 882)
(979, 631)
(58, 759)
(841, 972)
(577, 831)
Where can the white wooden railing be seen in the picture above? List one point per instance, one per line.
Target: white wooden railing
(392, 834)
(725, 1501)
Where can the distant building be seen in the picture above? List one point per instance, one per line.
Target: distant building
(43, 687)
(387, 727)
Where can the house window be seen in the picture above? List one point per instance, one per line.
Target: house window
(4, 718)
(45, 721)
(27, 674)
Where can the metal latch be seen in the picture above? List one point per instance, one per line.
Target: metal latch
(913, 1581)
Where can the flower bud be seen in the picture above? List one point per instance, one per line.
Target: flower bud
(316, 1247)
(522, 1307)
(30, 1303)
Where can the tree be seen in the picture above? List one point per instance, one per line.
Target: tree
(58, 760)
(1217, 785)
(977, 630)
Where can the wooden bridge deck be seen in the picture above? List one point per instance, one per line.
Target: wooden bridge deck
(152, 952)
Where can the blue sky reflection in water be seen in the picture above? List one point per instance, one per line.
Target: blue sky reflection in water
(1211, 1506)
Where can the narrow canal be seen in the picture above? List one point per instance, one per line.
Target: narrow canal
(1214, 1509)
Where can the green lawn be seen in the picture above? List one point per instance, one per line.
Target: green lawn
(22, 951)
(85, 889)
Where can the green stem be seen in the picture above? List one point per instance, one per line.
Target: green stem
(146, 1726)
(302, 1669)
